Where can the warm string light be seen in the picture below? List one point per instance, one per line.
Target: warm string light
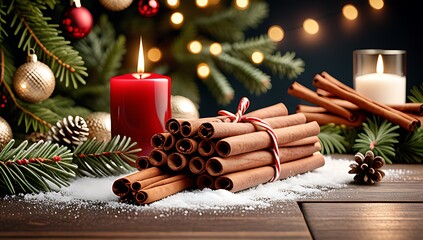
(257, 57)
(215, 48)
(154, 54)
(275, 33)
(311, 26)
(242, 4)
(376, 4)
(202, 3)
(177, 19)
(194, 47)
(203, 70)
(172, 3)
(350, 12)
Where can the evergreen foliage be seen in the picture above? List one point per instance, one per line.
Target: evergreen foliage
(32, 168)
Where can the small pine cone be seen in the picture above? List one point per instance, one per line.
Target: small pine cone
(69, 132)
(366, 168)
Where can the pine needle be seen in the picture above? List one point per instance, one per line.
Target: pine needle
(379, 136)
(99, 159)
(331, 139)
(34, 168)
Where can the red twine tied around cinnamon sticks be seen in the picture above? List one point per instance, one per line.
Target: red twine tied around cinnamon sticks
(243, 105)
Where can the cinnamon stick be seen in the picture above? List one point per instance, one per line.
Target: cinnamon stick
(150, 195)
(186, 145)
(341, 90)
(177, 161)
(122, 186)
(197, 165)
(190, 127)
(309, 109)
(217, 166)
(211, 130)
(259, 140)
(164, 141)
(157, 157)
(241, 180)
(206, 147)
(173, 126)
(324, 93)
(205, 181)
(415, 108)
(138, 185)
(142, 163)
(326, 118)
(302, 141)
(298, 90)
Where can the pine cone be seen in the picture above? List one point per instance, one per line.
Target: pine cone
(69, 132)
(367, 167)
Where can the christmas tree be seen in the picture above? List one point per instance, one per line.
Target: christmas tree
(60, 92)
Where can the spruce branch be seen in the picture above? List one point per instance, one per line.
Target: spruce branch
(253, 79)
(331, 139)
(218, 85)
(246, 47)
(378, 136)
(99, 159)
(103, 53)
(41, 166)
(416, 94)
(410, 149)
(285, 66)
(35, 30)
(229, 25)
(3, 14)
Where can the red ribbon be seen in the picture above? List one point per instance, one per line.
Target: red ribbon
(243, 105)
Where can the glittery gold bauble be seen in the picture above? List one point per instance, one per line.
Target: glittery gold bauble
(183, 108)
(34, 81)
(116, 5)
(5, 133)
(99, 125)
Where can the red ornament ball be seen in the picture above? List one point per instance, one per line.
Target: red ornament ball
(77, 22)
(148, 8)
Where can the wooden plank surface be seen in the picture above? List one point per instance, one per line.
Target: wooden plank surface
(364, 220)
(284, 220)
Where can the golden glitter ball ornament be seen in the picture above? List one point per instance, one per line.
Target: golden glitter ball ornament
(116, 5)
(99, 125)
(34, 81)
(183, 108)
(5, 133)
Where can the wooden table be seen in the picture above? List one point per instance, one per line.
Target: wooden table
(392, 209)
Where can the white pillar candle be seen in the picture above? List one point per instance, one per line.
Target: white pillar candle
(382, 87)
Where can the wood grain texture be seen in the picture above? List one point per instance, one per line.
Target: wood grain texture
(364, 220)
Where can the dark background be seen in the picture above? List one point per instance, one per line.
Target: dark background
(397, 25)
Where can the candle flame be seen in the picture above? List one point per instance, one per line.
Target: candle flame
(379, 65)
(140, 67)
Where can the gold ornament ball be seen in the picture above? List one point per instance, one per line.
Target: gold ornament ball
(34, 81)
(5, 133)
(99, 125)
(116, 5)
(183, 108)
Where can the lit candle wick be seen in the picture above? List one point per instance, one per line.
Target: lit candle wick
(379, 65)
(140, 67)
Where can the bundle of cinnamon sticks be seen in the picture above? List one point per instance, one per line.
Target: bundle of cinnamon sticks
(217, 153)
(335, 102)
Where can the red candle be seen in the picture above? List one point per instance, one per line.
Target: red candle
(140, 105)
